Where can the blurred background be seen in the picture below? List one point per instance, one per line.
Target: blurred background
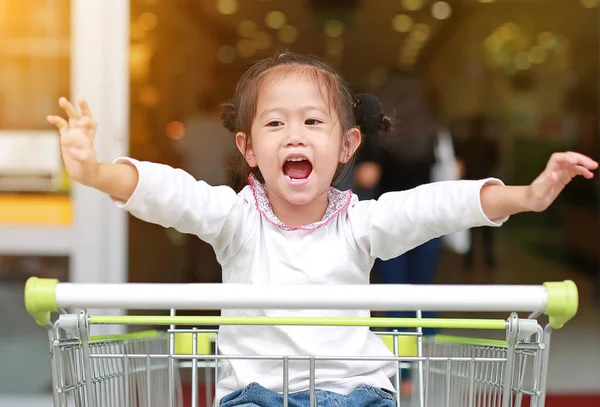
(154, 72)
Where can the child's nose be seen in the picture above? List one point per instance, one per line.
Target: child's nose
(295, 141)
(296, 136)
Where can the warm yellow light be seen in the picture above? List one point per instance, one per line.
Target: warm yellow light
(547, 40)
(538, 55)
(334, 28)
(522, 61)
(149, 96)
(420, 32)
(139, 61)
(148, 21)
(508, 31)
(589, 3)
(247, 28)
(402, 23)
(404, 60)
(136, 32)
(262, 40)
(412, 5)
(175, 130)
(227, 7)
(413, 45)
(408, 54)
(493, 44)
(275, 19)
(288, 34)
(441, 10)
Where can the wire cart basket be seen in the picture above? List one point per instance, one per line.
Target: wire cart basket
(179, 366)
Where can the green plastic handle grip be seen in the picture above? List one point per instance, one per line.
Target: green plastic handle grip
(563, 302)
(40, 298)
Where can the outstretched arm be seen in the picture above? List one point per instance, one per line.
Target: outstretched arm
(152, 192)
(500, 201)
(400, 221)
(77, 149)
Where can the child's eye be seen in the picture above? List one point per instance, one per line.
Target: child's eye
(274, 123)
(312, 122)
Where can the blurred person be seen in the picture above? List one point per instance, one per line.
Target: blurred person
(479, 155)
(206, 148)
(401, 161)
(298, 126)
(206, 145)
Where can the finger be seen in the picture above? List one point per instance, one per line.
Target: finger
(84, 107)
(562, 160)
(582, 159)
(582, 171)
(569, 160)
(565, 176)
(57, 121)
(69, 108)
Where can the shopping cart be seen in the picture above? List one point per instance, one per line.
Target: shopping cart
(164, 368)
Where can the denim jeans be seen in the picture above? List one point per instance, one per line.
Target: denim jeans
(254, 395)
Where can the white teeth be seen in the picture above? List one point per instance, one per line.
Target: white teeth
(293, 179)
(296, 159)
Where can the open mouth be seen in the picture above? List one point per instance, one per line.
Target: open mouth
(297, 169)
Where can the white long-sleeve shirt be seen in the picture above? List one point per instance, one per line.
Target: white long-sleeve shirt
(254, 247)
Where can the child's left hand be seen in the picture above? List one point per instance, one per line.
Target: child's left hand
(560, 170)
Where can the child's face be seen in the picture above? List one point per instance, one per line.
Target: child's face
(297, 139)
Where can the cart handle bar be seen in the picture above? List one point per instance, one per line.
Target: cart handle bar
(558, 300)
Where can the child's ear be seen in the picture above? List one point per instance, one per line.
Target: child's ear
(244, 144)
(350, 144)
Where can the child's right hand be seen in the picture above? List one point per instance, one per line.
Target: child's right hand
(77, 141)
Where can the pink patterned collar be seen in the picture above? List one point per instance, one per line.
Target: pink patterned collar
(338, 201)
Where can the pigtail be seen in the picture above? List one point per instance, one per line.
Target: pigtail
(369, 116)
(229, 116)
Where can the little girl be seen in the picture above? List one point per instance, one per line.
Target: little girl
(297, 126)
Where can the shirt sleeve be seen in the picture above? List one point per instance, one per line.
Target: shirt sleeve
(400, 221)
(172, 198)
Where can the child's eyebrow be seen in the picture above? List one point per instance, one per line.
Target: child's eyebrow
(303, 109)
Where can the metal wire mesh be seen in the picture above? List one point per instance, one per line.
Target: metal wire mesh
(147, 371)
(120, 377)
(458, 374)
